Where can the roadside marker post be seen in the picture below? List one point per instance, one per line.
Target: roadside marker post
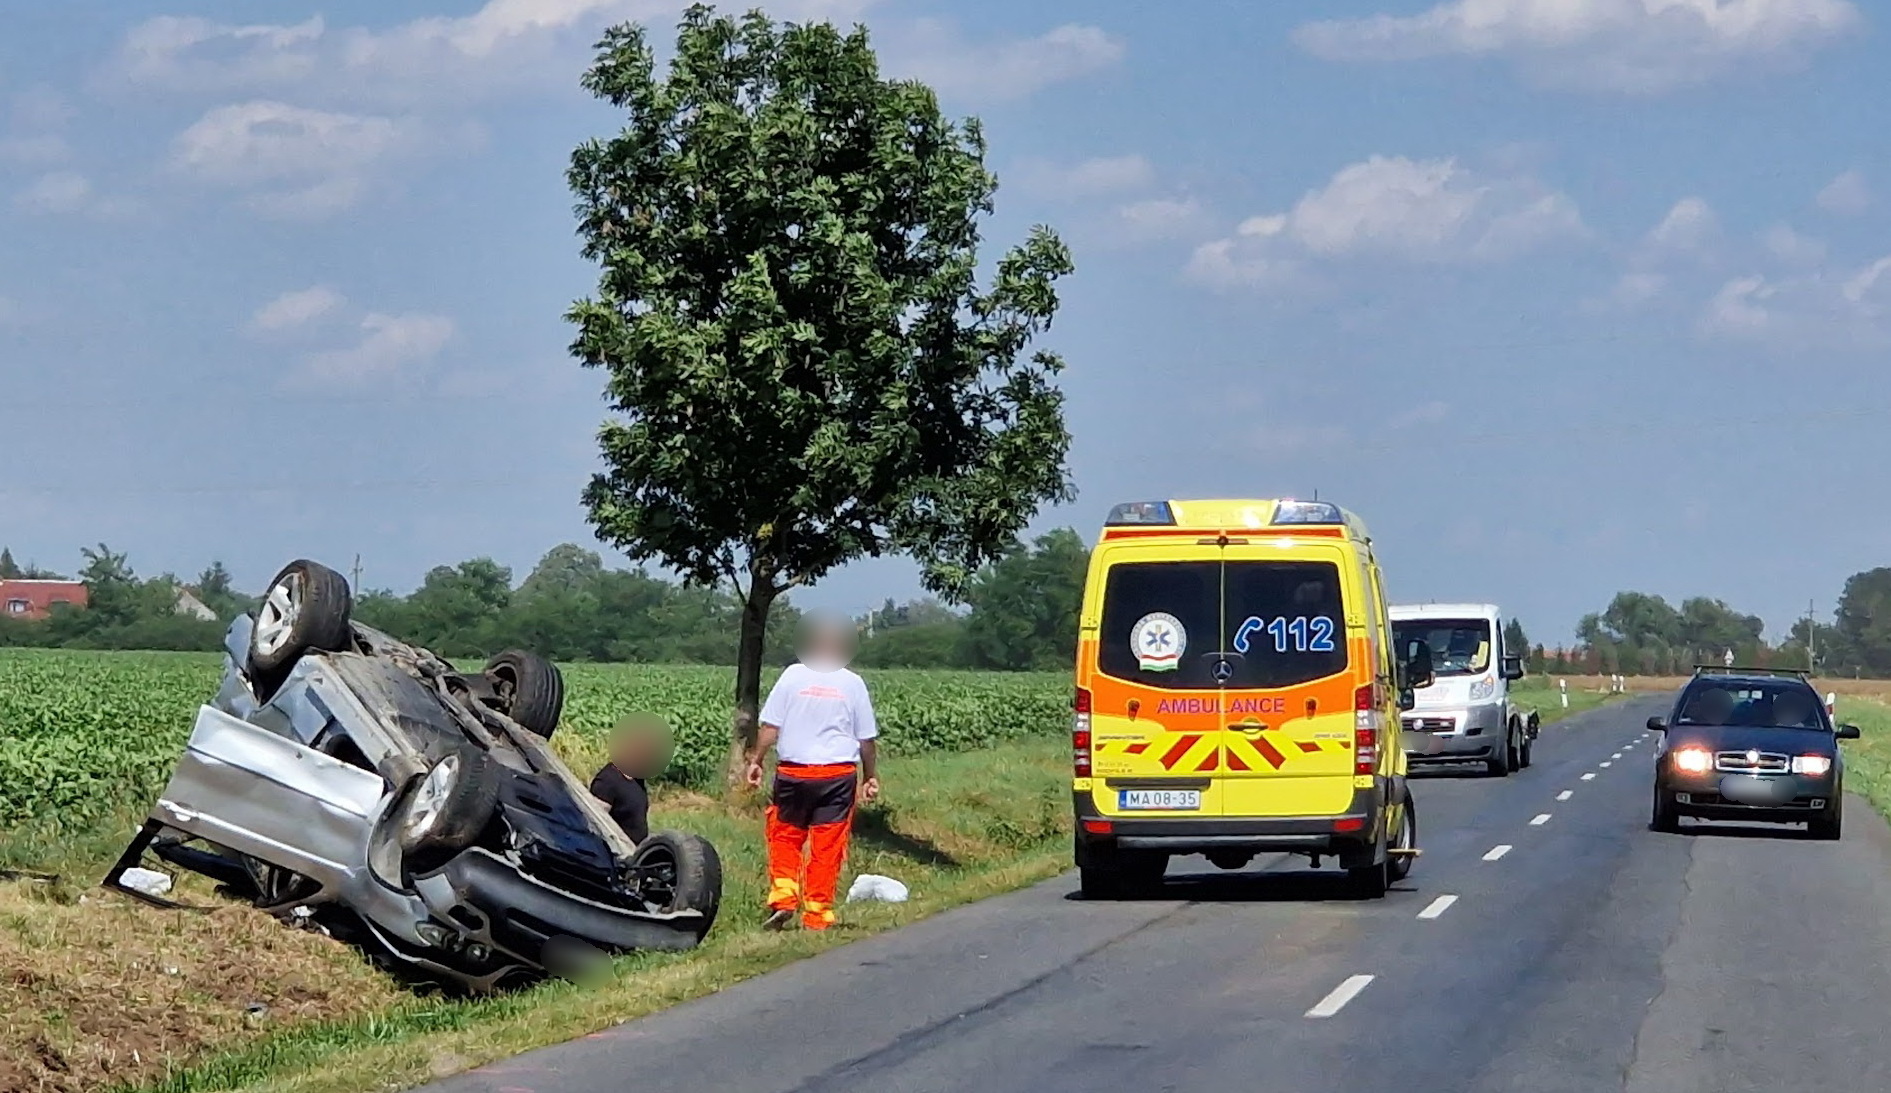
(1563, 686)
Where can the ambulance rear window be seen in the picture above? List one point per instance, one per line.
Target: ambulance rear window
(1158, 620)
(1175, 625)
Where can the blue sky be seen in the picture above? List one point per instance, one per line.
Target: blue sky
(1562, 297)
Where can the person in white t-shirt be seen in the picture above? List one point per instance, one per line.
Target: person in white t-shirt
(819, 719)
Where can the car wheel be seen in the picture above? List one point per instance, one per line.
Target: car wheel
(1663, 817)
(680, 872)
(447, 810)
(531, 689)
(306, 608)
(1400, 865)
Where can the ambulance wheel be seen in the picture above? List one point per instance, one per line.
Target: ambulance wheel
(1406, 838)
(1108, 873)
(1371, 881)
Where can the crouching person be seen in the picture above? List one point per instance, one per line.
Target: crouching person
(639, 749)
(820, 722)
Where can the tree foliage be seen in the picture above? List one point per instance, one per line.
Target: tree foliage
(802, 367)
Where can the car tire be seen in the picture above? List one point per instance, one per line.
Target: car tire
(306, 608)
(1399, 866)
(1663, 817)
(1499, 765)
(531, 688)
(446, 810)
(683, 871)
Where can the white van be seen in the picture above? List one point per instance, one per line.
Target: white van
(1467, 714)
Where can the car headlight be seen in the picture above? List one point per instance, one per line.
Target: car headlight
(1812, 764)
(1694, 760)
(1483, 688)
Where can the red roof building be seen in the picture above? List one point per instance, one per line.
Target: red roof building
(33, 599)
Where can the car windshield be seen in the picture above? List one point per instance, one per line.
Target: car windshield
(1263, 624)
(1459, 647)
(1783, 705)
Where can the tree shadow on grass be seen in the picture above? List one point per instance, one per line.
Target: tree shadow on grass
(873, 826)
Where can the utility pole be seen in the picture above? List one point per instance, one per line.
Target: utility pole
(355, 582)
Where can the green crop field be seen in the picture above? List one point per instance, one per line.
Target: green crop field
(86, 733)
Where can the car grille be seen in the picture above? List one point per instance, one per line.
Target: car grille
(1740, 762)
(1429, 724)
(581, 884)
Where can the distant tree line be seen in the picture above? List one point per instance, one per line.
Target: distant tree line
(1020, 613)
(1643, 634)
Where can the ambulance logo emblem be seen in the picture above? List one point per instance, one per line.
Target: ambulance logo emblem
(1158, 641)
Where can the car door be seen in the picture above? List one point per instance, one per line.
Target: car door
(269, 797)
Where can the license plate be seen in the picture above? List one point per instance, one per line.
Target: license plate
(1159, 800)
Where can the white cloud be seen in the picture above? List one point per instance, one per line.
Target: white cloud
(1846, 195)
(1158, 219)
(1690, 227)
(293, 161)
(35, 119)
(1635, 288)
(1792, 248)
(69, 193)
(1431, 212)
(38, 149)
(1824, 309)
(1089, 178)
(1624, 46)
(391, 348)
(295, 309)
(986, 72)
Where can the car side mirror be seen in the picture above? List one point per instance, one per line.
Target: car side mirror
(1848, 732)
(1513, 668)
(1657, 724)
(1406, 699)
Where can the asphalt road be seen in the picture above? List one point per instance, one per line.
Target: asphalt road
(1546, 941)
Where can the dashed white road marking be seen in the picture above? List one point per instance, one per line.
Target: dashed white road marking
(1566, 795)
(1341, 995)
(1497, 851)
(1617, 755)
(1606, 763)
(1541, 819)
(1437, 906)
(1589, 777)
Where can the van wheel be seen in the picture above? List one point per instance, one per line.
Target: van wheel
(1498, 765)
(1371, 881)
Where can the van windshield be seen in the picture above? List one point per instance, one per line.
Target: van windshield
(1273, 624)
(1459, 647)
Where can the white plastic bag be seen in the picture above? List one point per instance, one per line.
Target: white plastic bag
(870, 886)
(148, 881)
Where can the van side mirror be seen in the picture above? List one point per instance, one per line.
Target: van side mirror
(1406, 699)
(1513, 668)
(1657, 724)
(1848, 732)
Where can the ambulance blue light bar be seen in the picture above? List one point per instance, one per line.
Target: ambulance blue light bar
(1308, 512)
(1140, 514)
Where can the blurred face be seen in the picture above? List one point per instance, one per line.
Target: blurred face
(640, 747)
(827, 641)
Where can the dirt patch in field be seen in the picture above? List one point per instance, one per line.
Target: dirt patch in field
(98, 990)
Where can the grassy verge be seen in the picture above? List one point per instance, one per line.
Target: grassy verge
(1868, 758)
(99, 992)
(1538, 692)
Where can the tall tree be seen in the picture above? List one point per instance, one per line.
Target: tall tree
(1516, 642)
(9, 571)
(1025, 607)
(1864, 619)
(803, 366)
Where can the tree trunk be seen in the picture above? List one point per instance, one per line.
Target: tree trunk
(748, 677)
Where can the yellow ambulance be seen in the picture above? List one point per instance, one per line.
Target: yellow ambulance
(1238, 693)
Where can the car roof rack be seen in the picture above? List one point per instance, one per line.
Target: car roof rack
(1724, 670)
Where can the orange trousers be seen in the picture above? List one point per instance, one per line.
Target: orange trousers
(810, 817)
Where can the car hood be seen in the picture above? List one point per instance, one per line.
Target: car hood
(1740, 738)
(1446, 691)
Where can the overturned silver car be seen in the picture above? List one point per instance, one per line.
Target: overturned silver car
(343, 779)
